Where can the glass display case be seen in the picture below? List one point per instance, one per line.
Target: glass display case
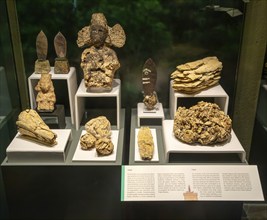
(71, 182)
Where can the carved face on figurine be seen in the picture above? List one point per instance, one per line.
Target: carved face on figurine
(98, 35)
(99, 62)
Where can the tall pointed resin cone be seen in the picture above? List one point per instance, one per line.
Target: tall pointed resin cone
(61, 62)
(42, 65)
(149, 79)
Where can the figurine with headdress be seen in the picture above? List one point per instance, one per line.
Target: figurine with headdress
(149, 79)
(99, 62)
(42, 65)
(61, 62)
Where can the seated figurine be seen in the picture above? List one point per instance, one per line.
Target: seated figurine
(99, 62)
(46, 97)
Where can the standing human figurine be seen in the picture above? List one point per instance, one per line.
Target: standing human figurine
(46, 97)
(99, 62)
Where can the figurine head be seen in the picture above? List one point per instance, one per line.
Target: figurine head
(99, 33)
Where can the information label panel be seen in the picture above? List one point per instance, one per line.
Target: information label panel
(191, 182)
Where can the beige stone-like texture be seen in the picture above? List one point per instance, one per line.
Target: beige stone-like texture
(104, 146)
(61, 66)
(61, 62)
(42, 65)
(87, 141)
(196, 76)
(150, 101)
(203, 123)
(31, 126)
(99, 127)
(98, 136)
(46, 97)
(145, 143)
(99, 62)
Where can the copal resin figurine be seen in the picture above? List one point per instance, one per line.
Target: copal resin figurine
(42, 65)
(46, 97)
(149, 79)
(99, 62)
(61, 62)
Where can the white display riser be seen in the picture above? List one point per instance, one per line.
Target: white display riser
(156, 113)
(22, 149)
(71, 84)
(82, 94)
(174, 146)
(217, 92)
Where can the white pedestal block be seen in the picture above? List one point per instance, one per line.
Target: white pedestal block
(24, 150)
(174, 146)
(91, 155)
(71, 84)
(156, 113)
(81, 94)
(217, 92)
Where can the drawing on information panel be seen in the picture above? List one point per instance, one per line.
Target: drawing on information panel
(190, 195)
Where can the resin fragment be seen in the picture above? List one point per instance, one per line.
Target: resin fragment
(196, 76)
(87, 141)
(145, 143)
(31, 126)
(104, 146)
(203, 123)
(98, 136)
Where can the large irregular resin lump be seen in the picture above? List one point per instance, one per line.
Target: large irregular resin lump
(99, 127)
(149, 79)
(61, 62)
(46, 97)
(31, 125)
(196, 76)
(99, 62)
(203, 123)
(145, 143)
(98, 135)
(42, 65)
